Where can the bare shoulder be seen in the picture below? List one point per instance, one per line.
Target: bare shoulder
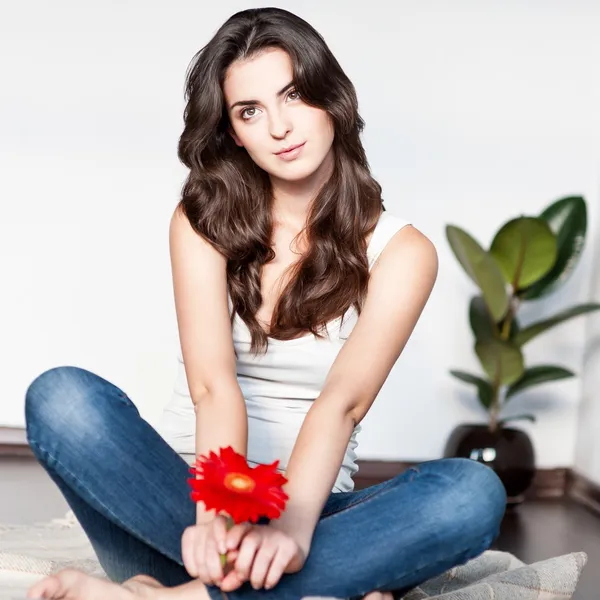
(407, 247)
(401, 280)
(181, 231)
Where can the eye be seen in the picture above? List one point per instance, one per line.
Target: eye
(246, 117)
(243, 113)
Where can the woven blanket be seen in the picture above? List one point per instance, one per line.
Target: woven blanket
(28, 553)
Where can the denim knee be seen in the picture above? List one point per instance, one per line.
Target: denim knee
(59, 404)
(476, 487)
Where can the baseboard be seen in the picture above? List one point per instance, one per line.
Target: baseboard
(584, 491)
(547, 483)
(12, 435)
(13, 442)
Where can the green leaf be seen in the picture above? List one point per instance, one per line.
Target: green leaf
(537, 375)
(567, 219)
(515, 417)
(528, 333)
(483, 387)
(481, 322)
(481, 268)
(480, 319)
(525, 249)
(502, 361)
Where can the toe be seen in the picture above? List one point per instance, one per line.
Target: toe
(48, 587)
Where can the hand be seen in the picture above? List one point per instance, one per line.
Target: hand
(264, 554)
(201, 547)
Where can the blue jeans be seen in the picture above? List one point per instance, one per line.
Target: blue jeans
(128, 489)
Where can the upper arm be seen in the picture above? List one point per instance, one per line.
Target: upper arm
(399, 287)
(200, 288)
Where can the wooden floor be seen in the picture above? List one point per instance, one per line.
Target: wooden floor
(532, 532)
(542, 529)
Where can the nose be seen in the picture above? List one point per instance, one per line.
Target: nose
(279, 124)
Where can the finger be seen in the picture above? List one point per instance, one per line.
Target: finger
(187, 552)
(219, 529)
(236, 533)
(261, 565)
(250, 544)
(213, 561)
(280, 561)
(231, 581)
(200, 557)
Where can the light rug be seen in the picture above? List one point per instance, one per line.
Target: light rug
(29, 552)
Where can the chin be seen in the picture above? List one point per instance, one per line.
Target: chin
(296, 175)
(298, 170)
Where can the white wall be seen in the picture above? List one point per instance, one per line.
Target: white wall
(476, 112)
(587, 451)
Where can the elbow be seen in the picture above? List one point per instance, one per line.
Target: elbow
(357, 414)
(347, 413)
(221, 394)
(357, 408)
(199, 395)
(346, 406)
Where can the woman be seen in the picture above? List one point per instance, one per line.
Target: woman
(279, 244)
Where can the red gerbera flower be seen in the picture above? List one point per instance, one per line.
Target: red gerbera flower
(229, 484)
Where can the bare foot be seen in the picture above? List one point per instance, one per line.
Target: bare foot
(71, 584)
(139, 584)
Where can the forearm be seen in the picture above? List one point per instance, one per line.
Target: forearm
(221, 421)
(326, 431)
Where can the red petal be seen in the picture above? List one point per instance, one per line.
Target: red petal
(266, 499)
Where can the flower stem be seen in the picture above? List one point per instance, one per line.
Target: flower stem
(229, 525)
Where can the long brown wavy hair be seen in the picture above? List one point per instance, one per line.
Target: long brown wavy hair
(228, 199)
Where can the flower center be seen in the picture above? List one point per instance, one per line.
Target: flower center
(238, 482)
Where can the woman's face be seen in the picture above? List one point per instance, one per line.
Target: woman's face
(271, 117)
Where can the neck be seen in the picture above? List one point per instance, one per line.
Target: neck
(292, 199)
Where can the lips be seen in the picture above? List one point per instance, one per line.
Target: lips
(290, 148)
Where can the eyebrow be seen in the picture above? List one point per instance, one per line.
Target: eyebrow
(280, 93)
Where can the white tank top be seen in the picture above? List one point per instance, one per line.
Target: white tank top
(279, 386)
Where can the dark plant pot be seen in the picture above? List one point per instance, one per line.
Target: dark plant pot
(509, 452)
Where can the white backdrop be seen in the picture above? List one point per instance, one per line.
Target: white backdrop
(476, 112)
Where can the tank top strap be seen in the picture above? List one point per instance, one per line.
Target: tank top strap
(385, 229)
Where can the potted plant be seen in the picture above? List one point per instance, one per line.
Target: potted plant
(529, 258)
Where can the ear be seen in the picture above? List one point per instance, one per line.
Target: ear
(236, 139)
